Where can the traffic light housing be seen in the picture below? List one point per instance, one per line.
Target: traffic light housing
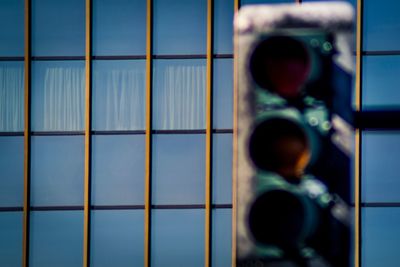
(294, 133)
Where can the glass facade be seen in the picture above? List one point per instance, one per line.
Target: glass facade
(379, 201)
(164, 138)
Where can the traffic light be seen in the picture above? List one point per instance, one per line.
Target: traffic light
(294, 133)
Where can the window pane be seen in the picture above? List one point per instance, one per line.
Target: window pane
(223, 26)
(222, 168)
(380, 81)
(57, 170)
(223, 94)
(12, 171)
(11, 238)
(118, 169)
(180, 27)
(119, 27)
(222, 238)
(58, 94)
(56, 239)
(380, 237)
(119, 94)
(117, 238)
(58, 28)
(381, 26)
(186, 227)
(11, 96)
(12, 36)
(178, 169)
(179, 94)
(380, 162)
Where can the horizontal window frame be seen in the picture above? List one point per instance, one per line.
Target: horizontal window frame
(121, 207)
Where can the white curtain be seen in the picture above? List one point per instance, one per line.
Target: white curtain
(125, 98)
(180, 99)
(64, 99)
(11, 98)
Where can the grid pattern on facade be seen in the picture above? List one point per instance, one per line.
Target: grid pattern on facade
(134, 113)
(157, 139)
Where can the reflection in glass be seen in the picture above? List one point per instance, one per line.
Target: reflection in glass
(177, 238)
(380, 166)
(178, 169)
(12, 35)
(180, 27)
(119, 95)
(58, 94)
(57, 170)
(56, 239)
(179, 94)
(58, 28)
(223, 94)
(222, 168)
(223, 26)
(11, 171)
(117, 238)
(118, 169)
(380, 81)
(222, 237)
(380, 234)
(113, 31)
(11, 238)
(11, 96)
(381, 26)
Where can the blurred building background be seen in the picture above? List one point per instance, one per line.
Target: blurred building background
(158, 162)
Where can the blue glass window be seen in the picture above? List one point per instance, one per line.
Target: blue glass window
(380, 166)
(12, 171)
(222, 168)
(381, 26)
(58, 95)
(223, 26)
(12, 35)
(119, 27)
(118, 169)
(179, 94)
(222, 238)
(11, 238)
(119, 94)
(178, 168)
(186, 227)
(380, 81)
(380, 234)
(11, 96)
(117, 238)
(56, 239)
(223, 94)
(180, 27)
(58, 28)
(57, 170)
